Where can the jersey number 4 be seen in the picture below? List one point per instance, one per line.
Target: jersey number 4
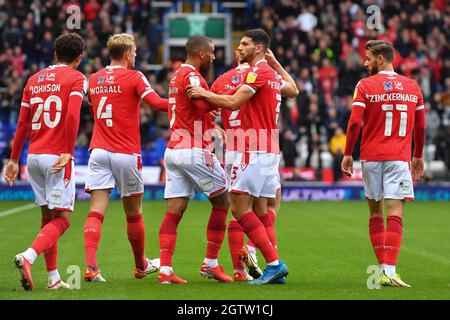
(107, 114)
(390, 116)
(45, 107)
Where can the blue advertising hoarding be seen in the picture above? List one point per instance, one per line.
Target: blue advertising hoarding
(291, 192)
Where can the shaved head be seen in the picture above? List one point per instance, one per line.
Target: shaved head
(200, 50)
(196, 44)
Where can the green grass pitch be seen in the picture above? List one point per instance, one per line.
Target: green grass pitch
(325, 245)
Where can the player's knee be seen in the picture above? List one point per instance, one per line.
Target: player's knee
(66, 215)
(374, 214)
(222, 201)
(394, 214)
(273, 209)
(177, 208)
(237, 214)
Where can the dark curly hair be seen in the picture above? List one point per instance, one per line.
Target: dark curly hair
(68, 47)
(258, 36)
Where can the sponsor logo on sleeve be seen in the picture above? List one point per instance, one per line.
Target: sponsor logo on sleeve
(195, 81)
(251, 77)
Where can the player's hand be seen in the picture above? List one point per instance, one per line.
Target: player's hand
(270, 58)
(11, 171)
(221, 134)
(417, 168)
(347, 166)
(215, 113)
(61, 163)
(195, 92)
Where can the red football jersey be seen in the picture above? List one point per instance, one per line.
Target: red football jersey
(264, 107)
(390, 102)
(115, 94)
(231, 120)
(47, 95)
(189, 119)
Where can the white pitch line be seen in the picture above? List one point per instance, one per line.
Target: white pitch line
(18, 209)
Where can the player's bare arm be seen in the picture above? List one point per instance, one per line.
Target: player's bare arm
(289, 89)
(231, 102)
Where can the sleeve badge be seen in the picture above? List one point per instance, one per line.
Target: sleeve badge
(251, 77)
(194, 81)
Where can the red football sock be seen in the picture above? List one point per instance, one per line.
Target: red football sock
(50, 255)
(377, 233)
(92, 234)
(168, 237)
(215, 232)
(268, 220)
(50, 234)
(257, 233)
(136, 236)
(235, 243)
(392, 240)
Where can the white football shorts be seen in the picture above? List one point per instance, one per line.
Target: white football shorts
(228, 166)
(256, 174)
(54, 190)
(188, 170)
(387, 180)
(107, 169)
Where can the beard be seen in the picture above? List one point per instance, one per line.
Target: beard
(373, 70)
(247, 58)
(204, 70)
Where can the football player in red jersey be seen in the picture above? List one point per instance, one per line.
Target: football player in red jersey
(391, 110)
(255, 169)
(228, 83)
(191, 165)
(115, 93)
(49, 115)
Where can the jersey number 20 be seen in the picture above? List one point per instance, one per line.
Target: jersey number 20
(45, 106)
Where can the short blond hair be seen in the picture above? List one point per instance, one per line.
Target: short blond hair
(118, 44)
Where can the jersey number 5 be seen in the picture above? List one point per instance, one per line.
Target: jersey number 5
(390, 115)
(173, 102)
